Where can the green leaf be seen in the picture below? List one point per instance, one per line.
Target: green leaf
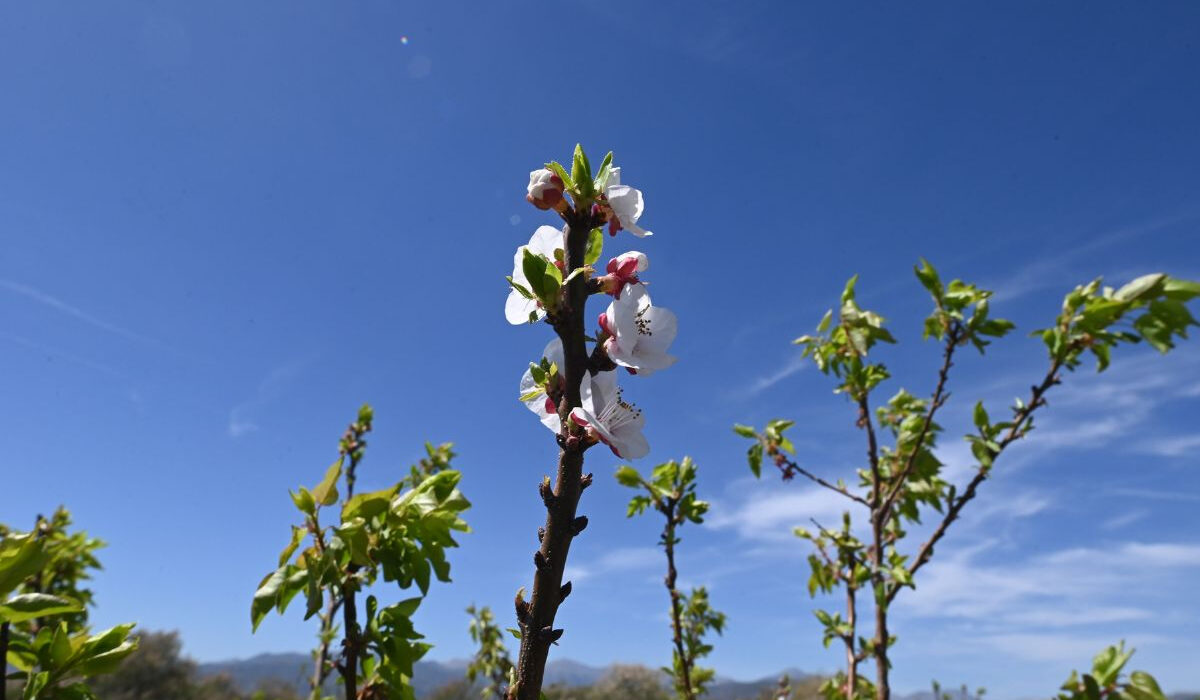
(35, 685)
(581, 171)
(745, 431)
(304, 501)
(264, 597)
(595, 246)
(754, 457)
(325, 492)
(981, 416)
(1145, 685)
(628, 476)
(21, 556)
(1141, 287)
(1181, 290)
(825, 321)
(557, 168)
(28, 606)
(521, 289)
(297, 536)
(929, 279)
(604, 172)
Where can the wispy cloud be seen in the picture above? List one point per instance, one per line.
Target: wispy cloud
(1047, 271)
(762, 383)
(63, 354)
(243, 417)
(1047, 590)
(1177, 446)
(1119, 521)
(61, 306)
(619, 559)
(1154, 495)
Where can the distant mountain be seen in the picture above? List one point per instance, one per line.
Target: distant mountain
(431, 675)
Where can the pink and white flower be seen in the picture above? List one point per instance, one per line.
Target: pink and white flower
(545, 189)
(517, 309)
(608, 418)
(623, 270)
(541, 404)
(639, 332)
(625, 205)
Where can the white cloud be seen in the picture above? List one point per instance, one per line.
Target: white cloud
(796, 363)
(619, 559)
(1119, 521)
(242, 417)
(1177, 446)
(767, 511)
(1070, 587)
(59, 305)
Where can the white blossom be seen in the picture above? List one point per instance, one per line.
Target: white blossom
(541, 404)
(626, 205)
(608, 418)
(640, 332)
(517, 309)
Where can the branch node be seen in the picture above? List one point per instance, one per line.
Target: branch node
(564, 592)
(585, 481)
(578, 525)
(550, 634)
(540, 562)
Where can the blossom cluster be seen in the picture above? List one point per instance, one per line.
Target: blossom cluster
(632, 332)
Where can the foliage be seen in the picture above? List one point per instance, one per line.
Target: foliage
(671, 490)
(623, 682)
(158, 670)
(902, 482)
(70, 558)
(399, 534)
(491, 661)
(1107, 681)
(43, 632)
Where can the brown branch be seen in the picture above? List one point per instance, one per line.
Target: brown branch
(865, 422)
(537, 629)
(4, 631)
(789, 469)
(1015, 432)
(938, 400)
(685, 661)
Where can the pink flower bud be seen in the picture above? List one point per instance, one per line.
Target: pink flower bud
(603, 320)
(545, 190)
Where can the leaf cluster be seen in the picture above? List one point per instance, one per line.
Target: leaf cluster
(670, 489)
(491, 660)
(53, 659)
(1106, 680)
(399, 534)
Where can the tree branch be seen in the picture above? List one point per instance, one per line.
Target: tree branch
(1015, 432)
(537, 631)
(939, 399)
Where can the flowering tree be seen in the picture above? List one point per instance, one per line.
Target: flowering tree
(901, 483)
(671, 490)
(573, 389)
(400, 533)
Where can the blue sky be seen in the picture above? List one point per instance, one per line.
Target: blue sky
(227, 225)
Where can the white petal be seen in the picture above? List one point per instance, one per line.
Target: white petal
(629, 442)
(664, 326)
(517, 308)
(545, 240)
